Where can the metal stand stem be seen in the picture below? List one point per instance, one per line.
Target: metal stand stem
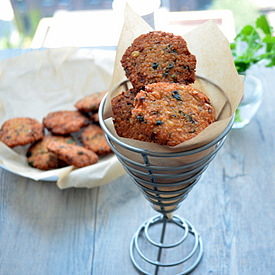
(161, 241)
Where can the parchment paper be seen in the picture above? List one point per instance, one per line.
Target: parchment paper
(40, 82)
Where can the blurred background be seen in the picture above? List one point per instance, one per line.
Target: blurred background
(58, 23)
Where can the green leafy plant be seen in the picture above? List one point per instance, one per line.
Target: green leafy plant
(253, 44)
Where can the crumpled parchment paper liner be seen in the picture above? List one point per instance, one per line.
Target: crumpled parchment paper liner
(40, 82)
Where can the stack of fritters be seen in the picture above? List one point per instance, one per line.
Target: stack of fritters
(161, 107)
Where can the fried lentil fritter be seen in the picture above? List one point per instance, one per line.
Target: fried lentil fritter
(21, 131)
(122, 106)
(94, 117)
(73, 154)
(90, 103)
(39, 156)
(158, 57)
(172, 113)
(93, 139)
(65, 122)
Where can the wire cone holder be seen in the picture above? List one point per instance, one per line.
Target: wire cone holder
(165, 187)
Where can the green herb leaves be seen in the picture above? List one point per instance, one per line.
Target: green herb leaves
(253, 44)
(262, 23)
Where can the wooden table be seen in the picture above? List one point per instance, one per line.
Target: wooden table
(44, 230)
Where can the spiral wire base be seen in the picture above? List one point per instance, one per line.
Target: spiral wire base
(189, 262)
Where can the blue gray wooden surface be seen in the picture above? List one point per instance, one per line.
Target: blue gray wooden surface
(44, 230)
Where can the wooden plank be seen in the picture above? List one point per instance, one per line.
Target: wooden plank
(44, 230)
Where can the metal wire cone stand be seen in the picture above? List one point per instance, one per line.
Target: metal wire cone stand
(165, 187)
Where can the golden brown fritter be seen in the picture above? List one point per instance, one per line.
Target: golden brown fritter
(39, 156)
(75, 155)
(158, 57)
(90, 103)
(172, 113)
(65, 122)
(94, 117)
(122, 106)
(21, 131)
(93, 139)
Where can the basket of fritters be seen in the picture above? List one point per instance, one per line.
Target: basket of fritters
(49, 126)
(179, 94)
